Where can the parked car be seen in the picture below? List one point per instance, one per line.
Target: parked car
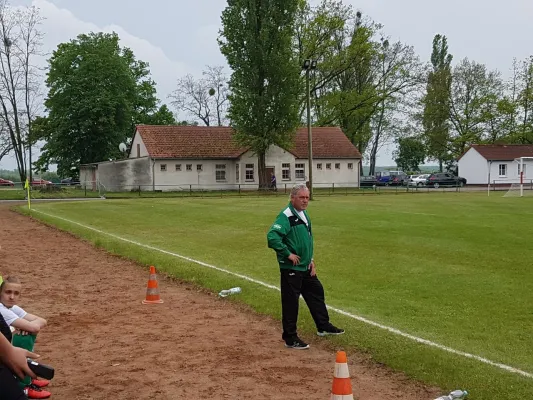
(445, 179)
(399, 180)
(70, 181)
(418, 180)
(386, 178)
(40, 182)
(5, 182)
(368, 181)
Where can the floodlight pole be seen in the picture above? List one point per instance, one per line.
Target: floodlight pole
(309, 65)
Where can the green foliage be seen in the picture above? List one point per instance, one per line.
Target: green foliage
(436, 115)
(344, 91)
(163, 116)
(97, 92)
(410, 154)
(474, 100)
(256, 40)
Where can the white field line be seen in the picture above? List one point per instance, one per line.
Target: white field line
(337, 310)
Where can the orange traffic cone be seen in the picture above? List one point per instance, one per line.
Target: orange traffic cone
(342, 385)
(152, 289)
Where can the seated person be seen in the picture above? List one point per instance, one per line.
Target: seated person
(26, 328)
(12, 361)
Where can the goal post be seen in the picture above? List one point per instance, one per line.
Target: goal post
(522, 186)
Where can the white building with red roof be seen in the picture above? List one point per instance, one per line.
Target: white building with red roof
(202, 158)
(484, 164)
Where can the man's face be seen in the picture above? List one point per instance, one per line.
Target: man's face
(300, 200)
(10, 294)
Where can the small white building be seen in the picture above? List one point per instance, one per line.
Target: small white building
(165, 158)
(495, 164)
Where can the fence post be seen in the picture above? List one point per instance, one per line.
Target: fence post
(139, 190)
(239, 189)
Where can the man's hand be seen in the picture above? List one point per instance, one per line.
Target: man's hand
(15, 360)
(312, 268)
(295, 259)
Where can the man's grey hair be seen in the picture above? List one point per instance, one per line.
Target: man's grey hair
(296, 188)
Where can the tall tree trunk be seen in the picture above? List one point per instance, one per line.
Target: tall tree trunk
(261, 170)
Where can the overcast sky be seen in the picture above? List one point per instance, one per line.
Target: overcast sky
(178, 37)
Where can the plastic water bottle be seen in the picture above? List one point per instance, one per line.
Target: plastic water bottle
(227, 292)
(455, 395)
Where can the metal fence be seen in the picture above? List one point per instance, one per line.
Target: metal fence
(95, 189)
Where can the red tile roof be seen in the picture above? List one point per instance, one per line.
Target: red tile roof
(217, 142)
(189, 142)
(502, 152)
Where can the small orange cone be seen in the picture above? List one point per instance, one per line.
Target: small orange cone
(342, 385)
(152, 289)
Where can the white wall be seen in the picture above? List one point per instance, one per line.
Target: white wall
(474, 168)
(195, 179)
(341, 176)
(137, 140)
(512, 175)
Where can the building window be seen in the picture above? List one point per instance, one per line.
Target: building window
(178, 167)
(319, 166)
(220, 172)
(350, 165)
(250, 172)
(198, 167)
(286, 172)
(328, 165)
(138, 150)
(502, 169)
(299, 171)
(189, 167)
(337, 165)
(163, 167)
(237, 173)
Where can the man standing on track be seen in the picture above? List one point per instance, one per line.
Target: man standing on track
(292, 238)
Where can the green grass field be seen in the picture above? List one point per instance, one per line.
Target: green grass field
(452, 268)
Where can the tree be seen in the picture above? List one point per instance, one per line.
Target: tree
(97, 92)
(474, 97)
(436, 115)
(163, 116)
(218, 90)
(525, 102)
(256, 39)
(20, 42)
(343, 85)
(399, 75)
(409, 154)
(203, 99)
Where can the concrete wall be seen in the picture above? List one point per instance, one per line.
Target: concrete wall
(125, 175)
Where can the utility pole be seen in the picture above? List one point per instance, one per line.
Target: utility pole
(309, 65)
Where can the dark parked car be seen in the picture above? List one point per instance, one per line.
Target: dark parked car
(368, 181)
(399, 180)
(70, 181)
(445, 179)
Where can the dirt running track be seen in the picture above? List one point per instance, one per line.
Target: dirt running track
(104, 344)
